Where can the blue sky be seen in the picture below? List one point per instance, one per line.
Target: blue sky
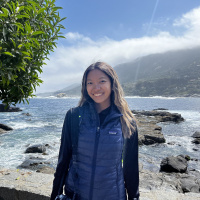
(116, 32)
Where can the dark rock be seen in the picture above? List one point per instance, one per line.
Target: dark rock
(148, 130)
(160, 109)
(36, 149)
(27, 114)
(187, 157)
(46, 170)
(161, 116)
(149, 133)
(152, 139)
(5, 127)
(174, 164)
(196, 141)
(194, 149)
(31, 163)
(171, 143)
(180, 182)
(2, 108)
(194, 159)
(9, 109)
(189, 184)
(196, 134)
(158, 128)
(38, 165)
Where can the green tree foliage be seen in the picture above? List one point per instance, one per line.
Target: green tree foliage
(28, 33)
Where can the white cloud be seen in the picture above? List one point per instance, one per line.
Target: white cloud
(68, 63)
(191, 21)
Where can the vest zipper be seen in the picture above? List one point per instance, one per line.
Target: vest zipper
(94, 161)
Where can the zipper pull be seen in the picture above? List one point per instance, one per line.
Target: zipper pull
(98, 130)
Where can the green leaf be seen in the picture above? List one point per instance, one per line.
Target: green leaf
(6, 11)
(61, 36)
(4, 33)
(20, 8)
(29, 58)
(56, 8)
(35, 41)
(26, 53)
(41, 10)
(13, 4)
(37, 32)
(19, 46)
(22, 68)
(3, 15)
(8, 53)
(14, 44)
(10, 7)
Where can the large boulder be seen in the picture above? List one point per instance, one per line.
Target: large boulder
(174, 164)
(151, 138)
(196, 141)
(5, 127)
(9, 109)
(149, 132)
(38, 148)
(196, 134)
(38, 165)
(189, 184)
(161, 116)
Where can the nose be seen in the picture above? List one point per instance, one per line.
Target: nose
(97, 86)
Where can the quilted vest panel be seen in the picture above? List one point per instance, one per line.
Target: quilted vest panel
(99, 157)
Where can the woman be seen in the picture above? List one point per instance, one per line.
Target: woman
(107, 137)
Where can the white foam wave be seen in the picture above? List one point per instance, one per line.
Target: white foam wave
(153, 97)
(54, 97)
(23, 125)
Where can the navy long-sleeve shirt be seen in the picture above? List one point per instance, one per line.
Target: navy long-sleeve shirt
(130, 159)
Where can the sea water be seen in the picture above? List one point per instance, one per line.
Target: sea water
(40, 122)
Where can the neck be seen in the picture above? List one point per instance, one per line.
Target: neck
(100, 107)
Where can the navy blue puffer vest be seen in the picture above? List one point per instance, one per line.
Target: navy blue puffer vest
(99, 157)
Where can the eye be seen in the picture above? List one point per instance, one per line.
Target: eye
(89, 83)
(103, 81)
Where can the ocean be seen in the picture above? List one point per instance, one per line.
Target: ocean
(43, 125)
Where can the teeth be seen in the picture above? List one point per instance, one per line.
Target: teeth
(96, 95)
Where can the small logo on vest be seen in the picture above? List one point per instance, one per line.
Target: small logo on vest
(112, 132)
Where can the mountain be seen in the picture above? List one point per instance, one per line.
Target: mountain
(174, 73)
(71, 90)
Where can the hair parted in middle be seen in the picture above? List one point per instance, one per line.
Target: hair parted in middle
(117, 96)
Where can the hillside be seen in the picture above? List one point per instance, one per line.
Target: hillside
(72, 90)
(175, 73)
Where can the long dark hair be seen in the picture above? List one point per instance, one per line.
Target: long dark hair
(117, 96)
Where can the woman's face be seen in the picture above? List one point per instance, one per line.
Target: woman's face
(98, 86)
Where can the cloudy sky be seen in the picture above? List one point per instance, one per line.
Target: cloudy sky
(116, 32)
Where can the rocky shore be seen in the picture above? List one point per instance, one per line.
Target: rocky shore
(148, 131)
(29, 185)
(173, 181)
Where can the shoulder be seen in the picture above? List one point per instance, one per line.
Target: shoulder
(72, 110)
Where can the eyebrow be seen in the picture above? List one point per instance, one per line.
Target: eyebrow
(99, 78)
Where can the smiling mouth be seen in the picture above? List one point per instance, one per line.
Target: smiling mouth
(97, 95)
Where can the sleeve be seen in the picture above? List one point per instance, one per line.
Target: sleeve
(130, 166)
(64, 157)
